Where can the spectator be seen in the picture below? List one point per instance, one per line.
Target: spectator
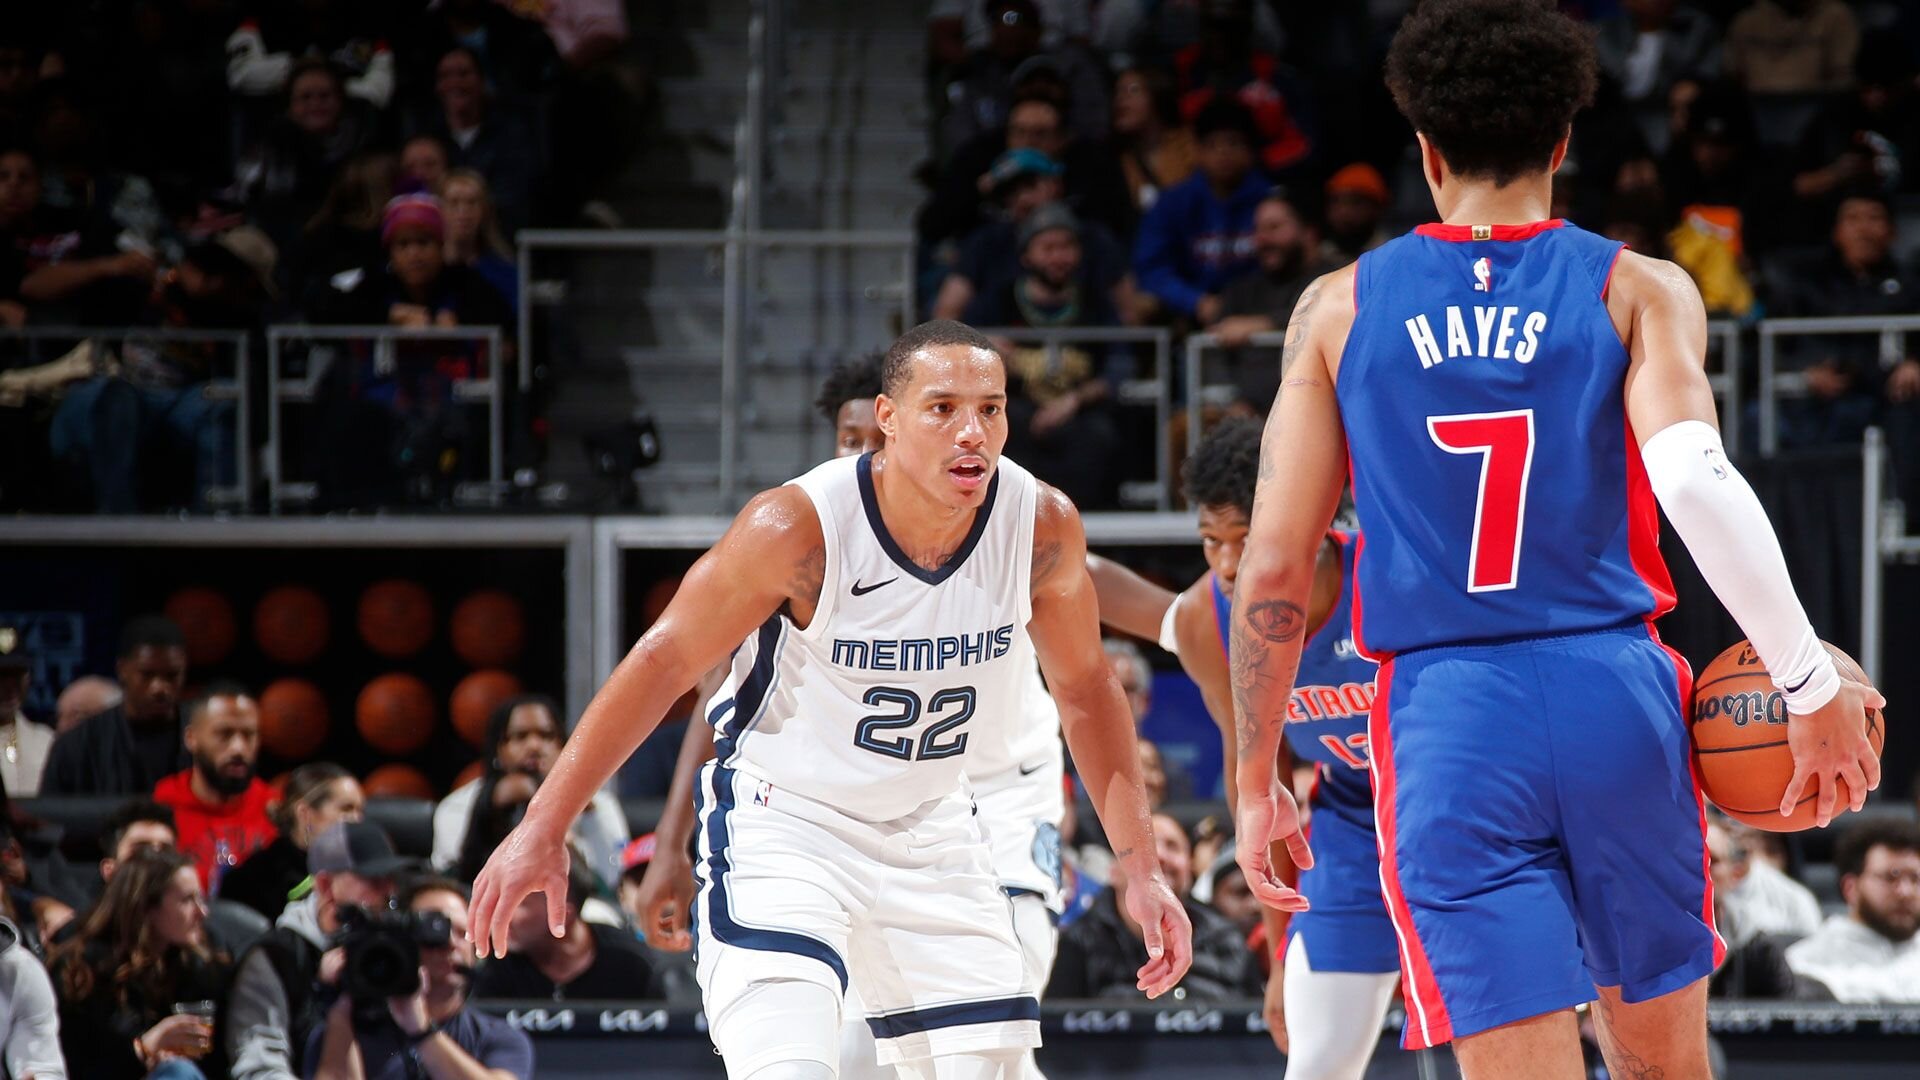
(1090, 176)
(1224, 888)
(1022, 182)
(1761, 899)
(142, 949)
(1649, 48)
(1870, 956)
(287, 174)
(1226, 64)
(958, 27)
(130, 747)
(1261, 299)
(316, 797)
(1154, 145)
(473, 234)
(66, 269)
(24, 745)
(1130, 667)
(1199, 235)
(29, 1015)
(984, 85)
(74, 178)
(673, 971)
(485, 136)
(424, 163)
(277, 1002)
(526, 737)
(1855, 275)
(1357, 199)
(84, 697)
(417, 288)
(128, 430)
(344, 234)
(1725, 197)
(220, 803)
(19, 195)
(1755, 965)
(1101, 951)
(588, 961)
(1153, 773)
(1793, 47)
(514, 54)
(1865, 140)
(430, 1032)
(1156, 33)
(42, 890)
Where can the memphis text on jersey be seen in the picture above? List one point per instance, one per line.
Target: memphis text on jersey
(923, 654)
(1482, 331)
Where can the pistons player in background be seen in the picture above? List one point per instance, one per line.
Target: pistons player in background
(1334, 965)
(1509, 395)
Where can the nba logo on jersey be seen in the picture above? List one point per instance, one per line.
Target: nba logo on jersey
(1482, 275)
(763, 794)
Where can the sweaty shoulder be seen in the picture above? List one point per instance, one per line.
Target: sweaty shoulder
(1322, 318)
(1058, 536)
(1641, 284)
(777, 535)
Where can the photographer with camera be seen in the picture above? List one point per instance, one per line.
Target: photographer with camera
(402, 1013)
(284, 983)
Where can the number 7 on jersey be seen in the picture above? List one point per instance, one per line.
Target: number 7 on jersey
(1504, 441)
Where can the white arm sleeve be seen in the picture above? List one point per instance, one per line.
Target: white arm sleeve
(1169, 636)
(1727, 532)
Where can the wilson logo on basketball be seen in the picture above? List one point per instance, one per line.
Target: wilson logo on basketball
(1741, 709)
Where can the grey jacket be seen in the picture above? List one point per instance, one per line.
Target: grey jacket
(257, 1041)
(29, 1016)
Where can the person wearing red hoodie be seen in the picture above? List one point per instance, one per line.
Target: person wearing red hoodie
(218, 802)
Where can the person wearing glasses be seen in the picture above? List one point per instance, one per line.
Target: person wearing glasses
(1871, 954)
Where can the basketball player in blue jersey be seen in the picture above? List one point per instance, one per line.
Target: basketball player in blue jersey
(1335, 964)
(872, 607)
(1510, 394)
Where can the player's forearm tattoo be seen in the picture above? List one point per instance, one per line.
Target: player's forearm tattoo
(809, 575)
(1256, 629)
(1046, 556)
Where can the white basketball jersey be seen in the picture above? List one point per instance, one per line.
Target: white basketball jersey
(876, 706)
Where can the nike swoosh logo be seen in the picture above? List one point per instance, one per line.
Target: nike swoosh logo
(1024, 771)
(862, 590)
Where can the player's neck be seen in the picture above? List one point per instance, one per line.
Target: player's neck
(1525, 200)
(929, 531)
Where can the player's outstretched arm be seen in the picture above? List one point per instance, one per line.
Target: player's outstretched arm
(1302, 470)
(1099, 731)
(773, 553)
(1128, 602)
(1670, 406)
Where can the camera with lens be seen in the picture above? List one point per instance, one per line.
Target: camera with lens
(383, 951)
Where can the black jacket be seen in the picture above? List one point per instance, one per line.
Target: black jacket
(263, 881)
(103, 756)
(97, 1031)
(1100, 957)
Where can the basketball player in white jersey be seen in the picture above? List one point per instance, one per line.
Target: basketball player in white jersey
(880, 601)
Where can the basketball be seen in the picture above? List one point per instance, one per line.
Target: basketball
(205, 618)
(474, 700)
(396, 618)
(395, 713)
(293, 719)
(395, 781)
(469, 774)
(290, 624)
(488, 629)
(1740, 740)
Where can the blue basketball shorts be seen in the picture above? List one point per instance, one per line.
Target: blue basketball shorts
(1542, 831)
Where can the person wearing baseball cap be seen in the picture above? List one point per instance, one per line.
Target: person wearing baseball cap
(24, 745)
(283, 981)
(1357, 199)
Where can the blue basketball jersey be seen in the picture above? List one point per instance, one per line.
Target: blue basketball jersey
(1332, 696)
(1498, 484)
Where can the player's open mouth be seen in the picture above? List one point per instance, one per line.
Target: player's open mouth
(969, 474)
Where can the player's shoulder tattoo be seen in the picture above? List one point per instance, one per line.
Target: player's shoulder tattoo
(1046, 556)
(809, 575)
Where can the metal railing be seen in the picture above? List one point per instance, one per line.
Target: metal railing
(487, 389)
(1883, 539)
(1776, 384)
(234, 389)
(1158, 390)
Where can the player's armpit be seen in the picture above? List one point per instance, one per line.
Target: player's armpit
(1658, 311)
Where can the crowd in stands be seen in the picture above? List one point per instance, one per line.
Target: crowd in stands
(1211, 157)
(212, 937)
(224, 165)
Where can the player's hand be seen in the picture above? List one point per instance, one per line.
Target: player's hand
(664, 898)
(1168, 934)
(528, 861)
(1267, 818)
(1274, 1009)
(1831, 743)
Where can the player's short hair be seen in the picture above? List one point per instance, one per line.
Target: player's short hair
(1223, 470)
(131, 813)
(896, 370)
(150, 631)
(852, 379)
(1850, 854)
(1493, 84)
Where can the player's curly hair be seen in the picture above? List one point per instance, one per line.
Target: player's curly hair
(851, 379)
(1223, 470)
(1493, 84)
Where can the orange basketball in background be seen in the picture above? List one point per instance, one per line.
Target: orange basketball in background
(488, 629)
(293, 719)
(396, 781)
(395, 713)
(205, 618)
(469, 774)
(396, 617)
(475, 698)
(1739, 723)
(291, 625)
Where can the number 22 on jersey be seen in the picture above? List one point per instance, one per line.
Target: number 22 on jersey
(1504, 443)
